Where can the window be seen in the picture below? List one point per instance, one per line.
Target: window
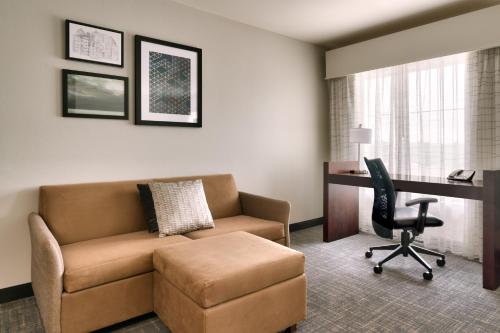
(417, 114)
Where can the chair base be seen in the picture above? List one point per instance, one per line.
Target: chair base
(405, 248)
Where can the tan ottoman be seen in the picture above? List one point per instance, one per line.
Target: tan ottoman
(235, 282)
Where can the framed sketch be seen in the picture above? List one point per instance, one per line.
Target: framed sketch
(85, 42)
(91, 95)
(167, 83)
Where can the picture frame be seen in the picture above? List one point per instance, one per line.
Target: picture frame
(168, 86)
(94, 44)
(94, 95)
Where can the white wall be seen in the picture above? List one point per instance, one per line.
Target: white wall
(472, 31)
(264, 112)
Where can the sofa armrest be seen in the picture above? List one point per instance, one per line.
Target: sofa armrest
(268, 209)
(47, 268)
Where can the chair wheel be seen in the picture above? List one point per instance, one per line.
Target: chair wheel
(441, 262)
(377, 269)
(428, 276)
(368, 254)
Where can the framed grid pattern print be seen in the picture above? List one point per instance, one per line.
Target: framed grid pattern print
(167, 83)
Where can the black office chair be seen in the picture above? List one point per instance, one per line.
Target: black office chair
(386, 217)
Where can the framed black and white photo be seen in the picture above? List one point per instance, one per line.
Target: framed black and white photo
(167, 83)
(92, 95)
(90, 43)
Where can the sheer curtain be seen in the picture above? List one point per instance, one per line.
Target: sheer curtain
(428, 118)
(483, 109)
(342, 101)
(482, 127)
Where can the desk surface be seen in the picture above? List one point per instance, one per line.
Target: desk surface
(417, 184)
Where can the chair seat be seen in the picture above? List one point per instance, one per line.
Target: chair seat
(271, 230)
(91, 263)
(405, 217)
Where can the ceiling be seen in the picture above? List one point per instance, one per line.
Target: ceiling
(336, 23)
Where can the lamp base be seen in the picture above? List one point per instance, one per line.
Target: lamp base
(358, 172)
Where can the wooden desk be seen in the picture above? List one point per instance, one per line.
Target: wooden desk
(341, 216)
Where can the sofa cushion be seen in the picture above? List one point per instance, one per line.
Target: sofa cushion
(217, 269)
(264, 228)
(102, 260)
(181, 207)
(77, 212)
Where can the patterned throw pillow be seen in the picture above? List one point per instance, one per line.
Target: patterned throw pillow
(181, 207)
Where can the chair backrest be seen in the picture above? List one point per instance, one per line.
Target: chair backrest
(79, 212)
(384, 201)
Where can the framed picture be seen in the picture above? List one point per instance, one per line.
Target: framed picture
(167, 83)
(85, 42)
(91, 95)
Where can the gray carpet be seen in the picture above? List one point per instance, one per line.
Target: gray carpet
(344, 295)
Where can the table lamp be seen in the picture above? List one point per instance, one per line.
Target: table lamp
(360, 135)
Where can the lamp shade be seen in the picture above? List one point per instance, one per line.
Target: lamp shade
(360, 135)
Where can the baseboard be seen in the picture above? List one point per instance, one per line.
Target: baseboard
(15, 292)
(25, 290)
(126, 323)
(305, 224)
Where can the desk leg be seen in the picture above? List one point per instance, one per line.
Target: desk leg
(340, 209)
(491, 230)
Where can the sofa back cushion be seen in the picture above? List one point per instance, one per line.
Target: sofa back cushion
(81, 212)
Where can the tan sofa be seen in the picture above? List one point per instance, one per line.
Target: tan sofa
(92, 257)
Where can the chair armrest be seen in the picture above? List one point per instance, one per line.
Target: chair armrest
(47, 268)
(422, 211)
(267, 209)
(419, 201)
